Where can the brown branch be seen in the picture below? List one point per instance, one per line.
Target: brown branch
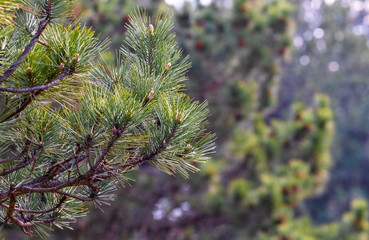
(117, 134)
(111, 172)
(76, 159)
(83, 199)
(131, 165)
(152, 155)
(25, 150)
(41, 27)
(43, 43)
(66, 166)
(89, 156)
(65, 73)
(33, 167)
(52, 187)
(19, 110)
(77, 167)
(37, 184)
(35, 92)
(40, 186)
(38, 211)
(54, 170)
(26, 162)
(10, 214)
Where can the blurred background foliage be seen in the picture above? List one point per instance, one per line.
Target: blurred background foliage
(287, 86)
(331, 56)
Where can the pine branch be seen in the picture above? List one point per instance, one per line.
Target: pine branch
(117, 134)
(42, 26)
(10, 215)
(35, 91)
(25, 150)
(23, 164)
(66, 164)
(19, 109)
(38, 211)
(51, 187)
(65, 73)
(79, 153)
(85, 179)
(152, 155)
(83, 199)
(43, 43)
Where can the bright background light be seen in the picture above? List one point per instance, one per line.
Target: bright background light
(179, 3)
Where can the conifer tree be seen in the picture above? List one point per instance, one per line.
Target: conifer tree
(71, 130)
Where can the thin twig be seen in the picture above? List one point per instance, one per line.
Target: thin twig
(23, 106)
(25, 150)
(152, 155)
(27, 161)
(43, 43)
(83, 199)
(38, 211)
(111, 143)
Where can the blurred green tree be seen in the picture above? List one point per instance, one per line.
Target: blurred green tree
(331, 56)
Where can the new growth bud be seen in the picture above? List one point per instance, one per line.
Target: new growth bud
(75, 59)
(168, 66)
(61, 65)
(114, 130)
(188, 148)
(151, 29)
(178, 117)
(150, 95)
(101, 102)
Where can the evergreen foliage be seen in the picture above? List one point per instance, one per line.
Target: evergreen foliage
(6, 13)
(71, 130)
